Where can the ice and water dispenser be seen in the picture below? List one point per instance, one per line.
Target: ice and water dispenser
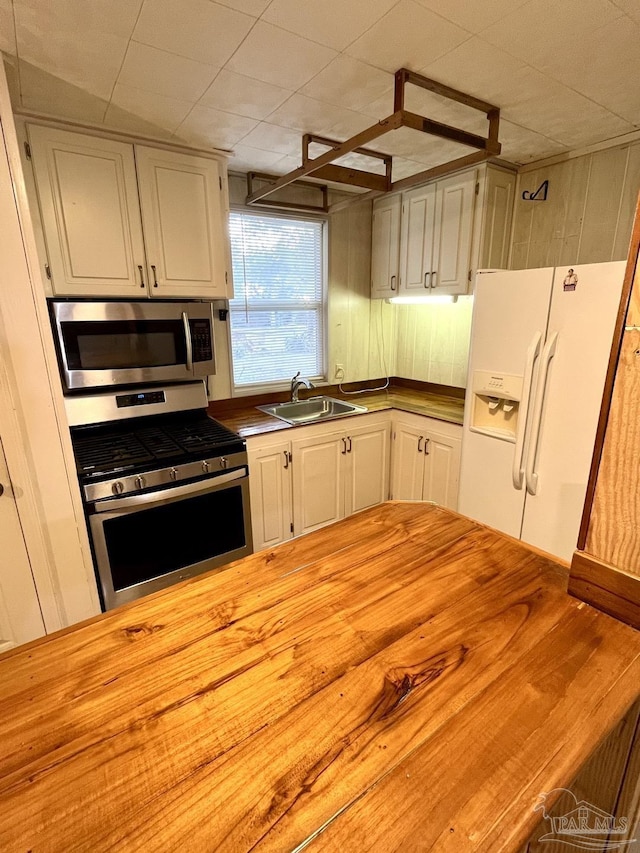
(496, 403)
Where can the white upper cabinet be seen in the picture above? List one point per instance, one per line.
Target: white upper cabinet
(119, 224)
(445, 231)
(180, 198)
(385, 247)
(90, 213)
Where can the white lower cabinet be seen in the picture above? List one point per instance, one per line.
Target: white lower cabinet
(425, 460)
(317, 475)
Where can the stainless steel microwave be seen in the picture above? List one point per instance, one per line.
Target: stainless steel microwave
(125, 343)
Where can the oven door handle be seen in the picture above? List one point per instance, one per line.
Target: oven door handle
(161, 495)
(187, 340)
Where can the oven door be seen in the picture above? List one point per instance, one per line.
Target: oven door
(124, 343)
(143, 543)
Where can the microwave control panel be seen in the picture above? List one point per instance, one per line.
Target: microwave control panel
(201, 340)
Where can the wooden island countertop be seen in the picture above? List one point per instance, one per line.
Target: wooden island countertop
(406, 679)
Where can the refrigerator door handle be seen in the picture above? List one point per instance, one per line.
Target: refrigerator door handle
(547, 354)
(533, 352)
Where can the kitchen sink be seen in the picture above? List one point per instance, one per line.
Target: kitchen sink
(311, 410)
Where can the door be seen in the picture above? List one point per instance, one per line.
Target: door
(453, 233)
(417, 262)
(568, 407)
(20, 616)
(90, 213)
(510, 313)
(270, 488)
(385, 247)
(367, 477)
(441, 469)
(407, 462)
(318, 481)
(183, 219)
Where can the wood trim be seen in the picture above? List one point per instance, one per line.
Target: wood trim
(446, 131)
(354, 177)
(609, 589)
(616, 346)
(404, 75)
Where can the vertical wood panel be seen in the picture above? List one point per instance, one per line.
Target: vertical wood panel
(606, 180)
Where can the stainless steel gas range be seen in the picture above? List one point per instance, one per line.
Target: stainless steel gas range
(165, 487)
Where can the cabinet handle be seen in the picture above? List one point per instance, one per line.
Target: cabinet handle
(286, 459)
(155, 277)
(141, 275)
(349, 437)
(433, 278)
(420, 440)
(425, 279)
(426, 446)
(393, 282)
(344, 446)
(1, 490)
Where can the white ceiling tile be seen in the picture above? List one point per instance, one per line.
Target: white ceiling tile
(564, 115)
(520, 145)
(358, 161)
(122, 120)
(543, 29)
(403, 168)
(82, 43)
(473, 16)
(7, 34)
(218, 129)
(480, 69)
(250, 7)
(44, 93)
(278, 57)
(285, 165)
(347, 82)
(247, 159)
(197, 29)
(330, 22)
(601, 70)
(157, 109)
(442, 109)
(271, 137)
(165, 73)
(310, 116)
(245, 96)
(407, 36)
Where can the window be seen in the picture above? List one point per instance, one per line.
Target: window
(277, 313)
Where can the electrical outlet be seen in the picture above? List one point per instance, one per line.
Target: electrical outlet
(339, 371)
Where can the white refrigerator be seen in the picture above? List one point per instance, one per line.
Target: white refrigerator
(540, 343)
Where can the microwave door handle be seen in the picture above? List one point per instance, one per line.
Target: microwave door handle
(187, 341)
(162, 495)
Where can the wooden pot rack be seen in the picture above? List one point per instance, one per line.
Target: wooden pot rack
(323, 168)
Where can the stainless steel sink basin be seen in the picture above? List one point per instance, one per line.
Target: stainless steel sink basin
(311, 410)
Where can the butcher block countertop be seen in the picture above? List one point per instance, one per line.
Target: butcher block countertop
(249, 421)
(403, 680)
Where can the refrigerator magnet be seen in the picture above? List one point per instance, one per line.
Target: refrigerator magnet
(570, 281)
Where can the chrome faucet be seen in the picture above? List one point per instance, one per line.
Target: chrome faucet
(296, 384)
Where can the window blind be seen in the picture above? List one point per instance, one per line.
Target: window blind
(277, 313)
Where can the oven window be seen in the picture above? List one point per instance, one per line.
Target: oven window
(152, 542)
(123, 344)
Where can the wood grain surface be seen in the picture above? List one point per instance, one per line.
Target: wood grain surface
(606, 587)
(406, 679)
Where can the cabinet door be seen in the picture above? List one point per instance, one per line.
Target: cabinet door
(385, 246)
(270, 492)
(367, 477)
(20, 616)
(453, 233)
(318, 481)
(183, 217)
(407, 462)
(90, 213)
(417, 261)
(441, 469)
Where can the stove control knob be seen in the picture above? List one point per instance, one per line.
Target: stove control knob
(139, 481)
(173, 474)
(223, 462)
(205, 467)
(117, 488)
